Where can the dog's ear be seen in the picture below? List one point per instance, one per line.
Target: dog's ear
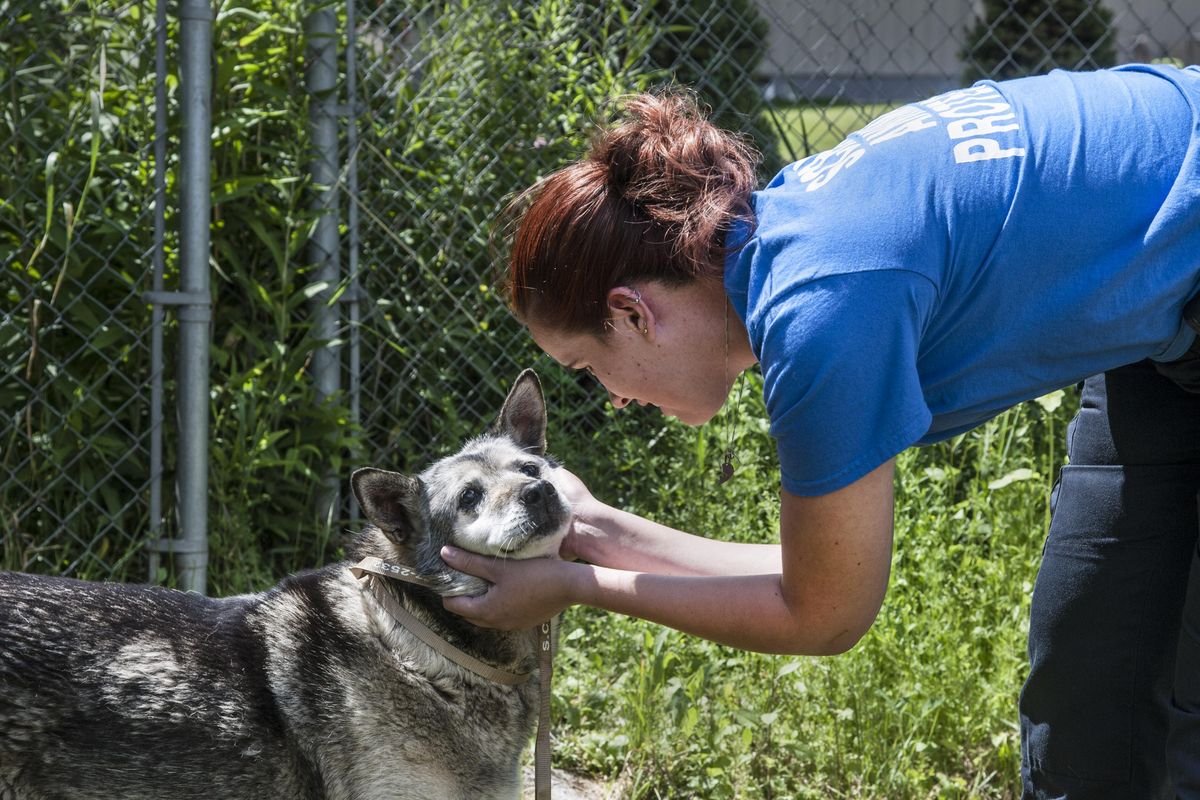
(389, 501)
(523, 416)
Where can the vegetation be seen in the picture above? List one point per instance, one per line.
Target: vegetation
(715, 48)
(1027, 37)
(924, 707)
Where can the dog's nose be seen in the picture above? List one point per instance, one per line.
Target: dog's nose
(536, 493)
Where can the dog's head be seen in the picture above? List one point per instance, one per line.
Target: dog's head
(496, 496)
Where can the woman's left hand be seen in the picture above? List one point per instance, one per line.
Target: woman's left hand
(523, 593)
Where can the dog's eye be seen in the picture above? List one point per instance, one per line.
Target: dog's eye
(469, 498)
(530, 469)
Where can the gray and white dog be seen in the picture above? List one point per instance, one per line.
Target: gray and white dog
(308, 690)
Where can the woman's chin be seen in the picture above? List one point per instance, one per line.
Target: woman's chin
(690, 418)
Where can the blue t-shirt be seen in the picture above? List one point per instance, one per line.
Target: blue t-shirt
(960, 255)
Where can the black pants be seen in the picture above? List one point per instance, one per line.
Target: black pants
(1111, 708)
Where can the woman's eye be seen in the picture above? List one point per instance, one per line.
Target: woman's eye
(530, 469)
(469, 498)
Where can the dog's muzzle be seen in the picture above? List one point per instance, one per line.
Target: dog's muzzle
(544, 506)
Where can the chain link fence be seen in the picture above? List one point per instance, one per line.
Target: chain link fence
(438, 113)
(77, 240)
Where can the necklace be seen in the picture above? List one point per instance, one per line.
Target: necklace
(727, 460)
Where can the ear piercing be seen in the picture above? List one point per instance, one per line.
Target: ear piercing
(637, 298)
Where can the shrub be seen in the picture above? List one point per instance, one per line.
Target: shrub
(1027, 37)
(714, 47)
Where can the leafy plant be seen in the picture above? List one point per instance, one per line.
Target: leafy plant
(1027, 37)
(74, 228)
(451, 131)
(924, 706)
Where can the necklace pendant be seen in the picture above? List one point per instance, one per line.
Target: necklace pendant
(726, 468)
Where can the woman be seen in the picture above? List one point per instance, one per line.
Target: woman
(951, 259)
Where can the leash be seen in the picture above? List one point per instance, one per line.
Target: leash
(368, 569)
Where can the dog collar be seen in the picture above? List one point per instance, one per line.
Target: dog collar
(368, 569)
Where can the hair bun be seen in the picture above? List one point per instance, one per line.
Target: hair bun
(680, 172)
(644, 140)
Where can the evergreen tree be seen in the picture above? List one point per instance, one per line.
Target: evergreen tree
(1014, 38)
(714, 47)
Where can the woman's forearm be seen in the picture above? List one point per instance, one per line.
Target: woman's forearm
(743, 611)
(817, 594)
(820, 600)
(609, 537)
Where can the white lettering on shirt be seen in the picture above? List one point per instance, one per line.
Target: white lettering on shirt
(894, 124)
(818, 170)
(983, 150)
(978, 113)
(977, 120)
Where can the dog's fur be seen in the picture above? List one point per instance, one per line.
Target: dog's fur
(308, 690)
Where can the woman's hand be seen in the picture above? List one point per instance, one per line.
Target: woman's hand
(583, 508)
(573, 489)
(523, 593)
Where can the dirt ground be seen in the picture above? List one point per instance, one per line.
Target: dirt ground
(565, 786)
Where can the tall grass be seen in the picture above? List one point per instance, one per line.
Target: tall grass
(924, 706)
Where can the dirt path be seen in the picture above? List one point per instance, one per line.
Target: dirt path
(565, 786)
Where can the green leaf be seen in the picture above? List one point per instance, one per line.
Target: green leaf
(1022, 474)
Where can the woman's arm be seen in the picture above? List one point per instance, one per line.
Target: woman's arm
(608, 537)
(819, 597)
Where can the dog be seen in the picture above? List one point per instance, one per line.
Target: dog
(310, 689)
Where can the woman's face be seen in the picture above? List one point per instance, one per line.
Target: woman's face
(663, 346)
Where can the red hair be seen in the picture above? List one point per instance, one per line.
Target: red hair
(654, 199)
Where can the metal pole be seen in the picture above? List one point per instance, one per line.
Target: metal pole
(156, 313)
(355, 291)
(321, 77)
(195, 23)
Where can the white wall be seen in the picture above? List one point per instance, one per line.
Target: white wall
(915, 43)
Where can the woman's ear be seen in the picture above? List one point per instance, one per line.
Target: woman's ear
(630, 311)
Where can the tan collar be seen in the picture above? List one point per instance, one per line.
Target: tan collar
(370, 568)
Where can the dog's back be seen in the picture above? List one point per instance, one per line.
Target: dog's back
(110, 690)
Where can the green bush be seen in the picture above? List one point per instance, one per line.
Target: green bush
(924, 706)
(75, 190)
(451, 132)
(715, 47)
(1028, 37)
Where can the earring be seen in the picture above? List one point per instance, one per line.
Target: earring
(637, 296)
(645, 330)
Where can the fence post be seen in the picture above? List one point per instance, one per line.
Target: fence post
(159, 266)
(195, 312)
(321, 78)
(354, 292)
